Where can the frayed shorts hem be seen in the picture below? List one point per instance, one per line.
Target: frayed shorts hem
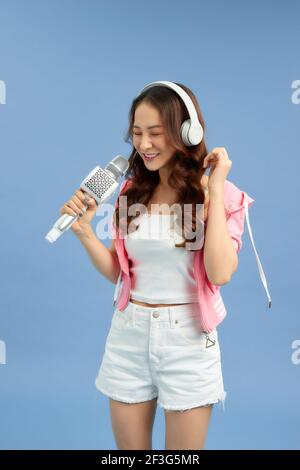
(116, 396)
(205, 403)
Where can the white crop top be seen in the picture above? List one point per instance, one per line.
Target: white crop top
(159, 271)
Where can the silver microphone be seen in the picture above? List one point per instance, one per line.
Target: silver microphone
(100, 184)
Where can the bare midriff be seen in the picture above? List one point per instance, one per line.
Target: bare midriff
(144, 304)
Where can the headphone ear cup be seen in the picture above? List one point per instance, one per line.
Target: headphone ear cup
(196, 134)
(191, 135)
(185, 127)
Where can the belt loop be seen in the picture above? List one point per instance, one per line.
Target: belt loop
(133, 309)
(170, 317)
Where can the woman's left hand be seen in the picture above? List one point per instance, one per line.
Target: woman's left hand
(220, 165)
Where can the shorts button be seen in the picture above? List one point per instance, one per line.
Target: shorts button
(155, 314)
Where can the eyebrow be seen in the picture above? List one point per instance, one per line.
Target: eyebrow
(150, 127)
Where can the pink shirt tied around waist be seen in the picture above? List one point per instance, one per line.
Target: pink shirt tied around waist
(212, 310)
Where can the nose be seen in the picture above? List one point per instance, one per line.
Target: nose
(145, 144)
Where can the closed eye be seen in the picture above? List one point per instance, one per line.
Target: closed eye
(141, 134)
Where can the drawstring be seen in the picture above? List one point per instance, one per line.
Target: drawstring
(261, 271)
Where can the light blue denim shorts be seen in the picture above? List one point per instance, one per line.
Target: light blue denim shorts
(161, 352)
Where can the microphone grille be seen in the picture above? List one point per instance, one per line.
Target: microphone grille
(99, 182)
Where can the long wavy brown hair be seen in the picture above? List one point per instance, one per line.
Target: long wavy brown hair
(187, 169)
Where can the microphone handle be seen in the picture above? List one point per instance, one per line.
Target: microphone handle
(62, 225)
(65, 221)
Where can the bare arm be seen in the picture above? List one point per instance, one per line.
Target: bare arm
(104, 259)
(220, 257)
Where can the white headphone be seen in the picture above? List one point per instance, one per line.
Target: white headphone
(191, 129)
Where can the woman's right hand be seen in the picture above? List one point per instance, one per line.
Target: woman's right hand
(76, 206)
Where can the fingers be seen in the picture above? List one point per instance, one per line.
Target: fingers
(91, 203)
(209, 159)
(75, 205)
(70, 208)
(78, 201)
(214, 155)
(67, 210)
(78, 204)
(81, 196)
(85, 198)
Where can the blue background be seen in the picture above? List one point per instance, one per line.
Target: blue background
(72, 69)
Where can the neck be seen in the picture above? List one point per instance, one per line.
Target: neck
(163, 179)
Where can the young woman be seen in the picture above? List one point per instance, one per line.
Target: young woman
(163, 345)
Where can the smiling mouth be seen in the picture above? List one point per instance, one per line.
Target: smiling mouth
(149, 158)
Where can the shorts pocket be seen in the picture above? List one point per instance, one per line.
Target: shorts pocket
(190, 330)
(120, 319)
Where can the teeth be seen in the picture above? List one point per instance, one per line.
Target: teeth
(150, 154)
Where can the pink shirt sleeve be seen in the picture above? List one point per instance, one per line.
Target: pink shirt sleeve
(112, 226)
(234, 203)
